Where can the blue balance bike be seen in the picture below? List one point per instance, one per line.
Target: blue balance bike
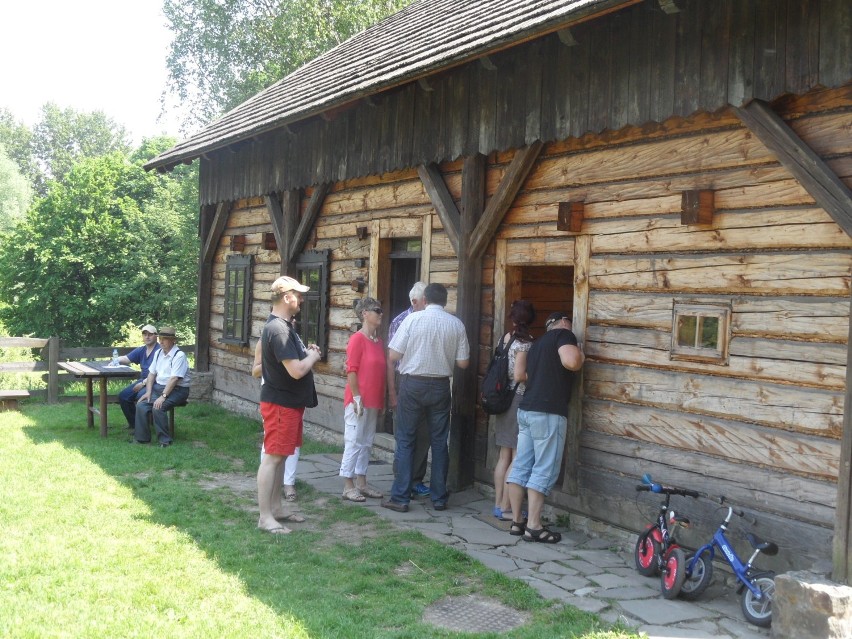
(756, 586)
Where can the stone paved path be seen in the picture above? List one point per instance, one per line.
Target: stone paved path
(593, 573)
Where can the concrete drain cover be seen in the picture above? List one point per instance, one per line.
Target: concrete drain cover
(473, 613)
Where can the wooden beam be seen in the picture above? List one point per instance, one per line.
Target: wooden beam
(220, 219)
(842, 543)
(283, 216)
(441, 199)
(582, 261)
(807, 167)
(468, 305)
(697, 207)
(518, 170)
(300, 237)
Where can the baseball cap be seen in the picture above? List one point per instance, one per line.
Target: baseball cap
(149, 328)
(286, 283)
(555, 317)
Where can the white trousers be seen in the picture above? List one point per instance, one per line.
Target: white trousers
(289, 467)
(358, 434)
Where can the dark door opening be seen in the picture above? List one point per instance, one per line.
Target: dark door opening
(549, 288)
(401, 266)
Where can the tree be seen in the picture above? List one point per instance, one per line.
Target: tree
(15, 191)
(17, 138)
(225, 51)
(64, 136)
(109, 245)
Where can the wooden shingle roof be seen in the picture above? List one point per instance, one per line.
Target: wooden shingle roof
(425, 37)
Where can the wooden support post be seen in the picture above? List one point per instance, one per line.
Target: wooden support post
(582, 259)
(842, 544)
(468, 304)
(443, 202)
(210, 228)
(53, 370)
(301, 234)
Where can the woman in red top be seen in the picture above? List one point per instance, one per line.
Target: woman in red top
(363, 398)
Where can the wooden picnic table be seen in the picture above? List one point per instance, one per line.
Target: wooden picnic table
(101, 371)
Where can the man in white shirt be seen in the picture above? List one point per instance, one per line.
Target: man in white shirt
(167, 386)
(427, 346)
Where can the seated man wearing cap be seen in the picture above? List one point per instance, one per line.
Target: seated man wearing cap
(143, 356)
(167, 386)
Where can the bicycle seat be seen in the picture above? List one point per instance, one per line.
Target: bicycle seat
(766, 547)
(680, 520)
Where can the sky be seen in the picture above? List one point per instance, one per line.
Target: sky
(89, 55)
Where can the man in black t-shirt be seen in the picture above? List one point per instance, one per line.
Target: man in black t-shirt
(287, 389)
(542, 424)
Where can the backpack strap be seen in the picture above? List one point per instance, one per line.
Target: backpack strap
(505, 349)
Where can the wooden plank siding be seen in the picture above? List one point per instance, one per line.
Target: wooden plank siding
(707, 56)
(628, 123)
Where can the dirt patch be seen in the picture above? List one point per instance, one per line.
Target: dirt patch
(241, 493)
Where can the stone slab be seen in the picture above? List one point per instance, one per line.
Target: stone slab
(661, 612)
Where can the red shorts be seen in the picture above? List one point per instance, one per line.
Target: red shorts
(282, 428)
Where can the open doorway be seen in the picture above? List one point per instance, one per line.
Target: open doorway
(549, 288)
(399, 269)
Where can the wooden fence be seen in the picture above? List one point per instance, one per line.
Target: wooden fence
(51, 354)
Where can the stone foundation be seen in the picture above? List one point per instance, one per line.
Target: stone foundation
(808, 605)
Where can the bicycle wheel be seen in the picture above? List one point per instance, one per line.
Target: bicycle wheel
(673, 574)
(759, 611)
(646, 554)
(696, 582)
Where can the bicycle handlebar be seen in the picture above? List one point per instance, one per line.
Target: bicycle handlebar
(648, 485)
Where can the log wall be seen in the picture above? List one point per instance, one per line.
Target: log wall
(764, 429)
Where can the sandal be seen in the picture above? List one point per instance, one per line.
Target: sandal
(517, 528)
(289, 492)
(353, 494)
(369, 491)
(542, 535)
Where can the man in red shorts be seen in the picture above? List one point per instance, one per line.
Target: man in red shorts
(288, 388)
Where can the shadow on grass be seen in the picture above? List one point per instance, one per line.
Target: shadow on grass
(346, 573)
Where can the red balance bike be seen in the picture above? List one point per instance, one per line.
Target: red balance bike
(657, 551)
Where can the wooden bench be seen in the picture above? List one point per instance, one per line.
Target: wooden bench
(9, 398)
(171, 412)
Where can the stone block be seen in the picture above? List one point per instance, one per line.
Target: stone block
(808, 605)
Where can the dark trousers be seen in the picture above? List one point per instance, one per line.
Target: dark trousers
(427, 400)
(177, 397)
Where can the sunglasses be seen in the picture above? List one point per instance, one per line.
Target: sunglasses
(377, 311)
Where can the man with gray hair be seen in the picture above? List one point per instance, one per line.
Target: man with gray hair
(428, 345)
(421, 442)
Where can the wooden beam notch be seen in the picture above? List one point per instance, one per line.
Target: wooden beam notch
(487, 63)
(566, 37)
(269, 243)
(238, 243)
(570, 216)
(362, 232)
(425, 85)
(697, 207)
(668, 6)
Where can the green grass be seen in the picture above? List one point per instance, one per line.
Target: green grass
(103, 539)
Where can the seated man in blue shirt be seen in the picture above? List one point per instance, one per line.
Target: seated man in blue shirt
(143, 356)
(167, 385)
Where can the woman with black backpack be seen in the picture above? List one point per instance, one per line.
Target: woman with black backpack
(522, 315)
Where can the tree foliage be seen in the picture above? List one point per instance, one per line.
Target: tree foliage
(108, 245)
(225, 51)
(15, 191)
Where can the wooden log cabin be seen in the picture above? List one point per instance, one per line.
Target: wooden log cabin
(674, 173)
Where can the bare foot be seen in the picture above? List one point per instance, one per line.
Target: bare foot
(273, 527)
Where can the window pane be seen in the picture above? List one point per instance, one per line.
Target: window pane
(710, 332)
(686, 330)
